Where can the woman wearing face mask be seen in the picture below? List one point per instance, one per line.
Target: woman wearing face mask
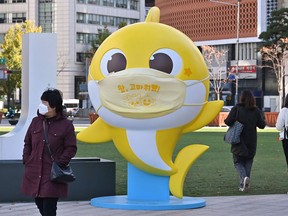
(36, 157)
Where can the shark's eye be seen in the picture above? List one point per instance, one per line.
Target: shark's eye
(113, 61)
(166, 60)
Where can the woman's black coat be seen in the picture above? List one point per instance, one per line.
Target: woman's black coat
(251, 118)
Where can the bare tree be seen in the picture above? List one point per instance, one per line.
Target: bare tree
(274, 47)
(62, 62)
(273, 57)
(216, 61)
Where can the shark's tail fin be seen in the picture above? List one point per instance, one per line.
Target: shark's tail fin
(184, 160)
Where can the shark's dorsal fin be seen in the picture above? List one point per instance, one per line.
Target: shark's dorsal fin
(153, 15)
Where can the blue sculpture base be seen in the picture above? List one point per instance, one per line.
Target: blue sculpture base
(121, 202)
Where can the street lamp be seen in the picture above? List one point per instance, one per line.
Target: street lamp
(237, 42)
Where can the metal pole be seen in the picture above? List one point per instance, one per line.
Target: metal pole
(237, 52)
(237, 42)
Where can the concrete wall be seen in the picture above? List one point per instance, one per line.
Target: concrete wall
(94, 178)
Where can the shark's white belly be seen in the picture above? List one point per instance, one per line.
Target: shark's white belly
(143, 144)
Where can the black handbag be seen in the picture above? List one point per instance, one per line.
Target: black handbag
(233, 133)
(61, 174)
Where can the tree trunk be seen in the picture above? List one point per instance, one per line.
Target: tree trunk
(280, 93)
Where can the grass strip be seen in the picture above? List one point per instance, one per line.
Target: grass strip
(213, 173)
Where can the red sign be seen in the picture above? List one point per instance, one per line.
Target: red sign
(244, 69)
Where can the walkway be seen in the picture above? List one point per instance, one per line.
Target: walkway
(253, 205)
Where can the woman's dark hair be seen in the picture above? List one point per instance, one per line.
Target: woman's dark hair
(247, 99)
(54, 98)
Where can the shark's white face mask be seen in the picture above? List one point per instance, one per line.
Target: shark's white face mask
(43, 109)
(143, 93)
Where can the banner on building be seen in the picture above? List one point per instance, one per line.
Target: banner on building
(3, 74)
(247, 69)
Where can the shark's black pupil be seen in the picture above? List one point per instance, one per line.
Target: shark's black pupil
(161, 62)
(117, 63)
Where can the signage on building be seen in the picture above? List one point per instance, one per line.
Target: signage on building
(247, 69)
(3, 74)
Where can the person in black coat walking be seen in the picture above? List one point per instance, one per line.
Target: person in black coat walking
(244, 152)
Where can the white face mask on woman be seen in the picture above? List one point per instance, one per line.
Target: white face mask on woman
(42, 108)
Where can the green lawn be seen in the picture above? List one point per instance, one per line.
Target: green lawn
(213, 173)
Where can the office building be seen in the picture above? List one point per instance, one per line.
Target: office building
(215, 23)
(76, 23)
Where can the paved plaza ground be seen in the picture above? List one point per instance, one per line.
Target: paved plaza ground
(253, 205)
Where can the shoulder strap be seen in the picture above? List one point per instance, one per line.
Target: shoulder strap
(237, 112)
(46, 140)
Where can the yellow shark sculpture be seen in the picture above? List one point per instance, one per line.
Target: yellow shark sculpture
(149, 84)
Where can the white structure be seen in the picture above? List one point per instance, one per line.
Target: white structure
(76, 24)
(38, 73)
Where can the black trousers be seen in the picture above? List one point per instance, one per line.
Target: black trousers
(243, 165)
(285, 149)
(47, 206)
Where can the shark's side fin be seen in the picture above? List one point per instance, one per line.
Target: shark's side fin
(208, 113)
(98, 132)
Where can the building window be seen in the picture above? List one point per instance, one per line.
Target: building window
(80, 38)
(78, 81)
(94, 19)
(108, 21)
(121, 20)
(121, 3)
(85, 38)
(18, 1)
(46, 15)
(96, 2)
(45, 1)
(80, 57)
(3, 18)
(271, 6)
(133, 21)
(80, 18)
(2, 35)
(92, 37)
(18, 17)
(109, 3)
(134, 4)
(3, 1)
